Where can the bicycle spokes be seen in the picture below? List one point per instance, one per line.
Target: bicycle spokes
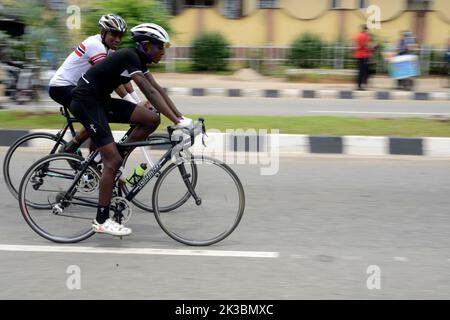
(48, 206)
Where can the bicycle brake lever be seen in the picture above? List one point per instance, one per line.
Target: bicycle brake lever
(203, 125)
(203, 136)
(203, 140)
(203, 132)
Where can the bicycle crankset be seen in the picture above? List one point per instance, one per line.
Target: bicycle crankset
(120, 210)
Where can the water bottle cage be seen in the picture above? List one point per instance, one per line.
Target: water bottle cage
(134, 179)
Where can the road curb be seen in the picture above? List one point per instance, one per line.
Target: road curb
(309, 94)
(261, 142)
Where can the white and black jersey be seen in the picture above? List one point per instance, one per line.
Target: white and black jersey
(88, 53)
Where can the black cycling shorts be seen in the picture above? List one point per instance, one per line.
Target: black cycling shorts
(96, 113)
(62, 95)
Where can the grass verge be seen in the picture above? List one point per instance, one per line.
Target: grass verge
(324, 125)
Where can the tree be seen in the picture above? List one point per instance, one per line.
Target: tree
(134, 13)
(41, 25)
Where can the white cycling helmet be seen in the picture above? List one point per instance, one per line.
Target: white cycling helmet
(112, 22)
(150, 32)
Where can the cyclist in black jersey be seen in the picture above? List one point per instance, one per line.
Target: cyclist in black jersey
(94, 107)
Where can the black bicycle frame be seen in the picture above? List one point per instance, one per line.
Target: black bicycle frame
(150, 174)
(146, 178)
(155, 169)
(69, 125)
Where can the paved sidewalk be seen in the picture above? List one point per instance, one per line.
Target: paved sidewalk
(251, 85)
(183, 80)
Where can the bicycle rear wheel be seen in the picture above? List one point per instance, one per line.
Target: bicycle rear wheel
(148, 154)
(221, 209)
(23, 153)
(42, 201)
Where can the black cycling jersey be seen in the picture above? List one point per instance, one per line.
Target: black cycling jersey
(114, 70)
(91, 100)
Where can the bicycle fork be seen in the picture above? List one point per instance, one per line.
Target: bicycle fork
(187, 182)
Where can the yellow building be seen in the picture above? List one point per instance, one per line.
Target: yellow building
(279, 22)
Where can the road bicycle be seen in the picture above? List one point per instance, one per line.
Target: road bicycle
(196, 200)
(31, 147)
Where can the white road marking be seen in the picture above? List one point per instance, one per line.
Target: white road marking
(380, 112)
(351, 258)
(139, 251)
(401, 259)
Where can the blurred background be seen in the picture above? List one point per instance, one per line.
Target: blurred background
(368, 186)
(292, 40)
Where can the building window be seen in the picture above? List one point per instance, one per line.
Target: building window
(267, 4)
(167, 5)
(362, 4)
(57, 5)
(199, 3)
(172, 7)
(335, 4)
(232, 9)
(419, 4)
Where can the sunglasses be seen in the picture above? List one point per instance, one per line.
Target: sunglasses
(159, 45)
(162, 46)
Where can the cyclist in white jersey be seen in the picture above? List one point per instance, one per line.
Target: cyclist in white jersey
(89, 52)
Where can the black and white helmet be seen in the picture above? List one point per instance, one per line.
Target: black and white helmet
(150, 32)
(112, 22)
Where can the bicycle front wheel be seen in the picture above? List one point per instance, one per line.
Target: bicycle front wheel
(206, 222)
(23, 153)
(44, 205)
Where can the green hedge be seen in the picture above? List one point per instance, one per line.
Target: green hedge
(306, 51)
(438, 65)
(210, 52)
(134, 13)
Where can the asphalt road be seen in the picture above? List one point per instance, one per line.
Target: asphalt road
(313, 107)
(321, 222)
(297, 107)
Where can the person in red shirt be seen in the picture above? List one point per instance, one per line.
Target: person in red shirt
(362, 53)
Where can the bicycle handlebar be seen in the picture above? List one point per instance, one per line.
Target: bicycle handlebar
(197, 128)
